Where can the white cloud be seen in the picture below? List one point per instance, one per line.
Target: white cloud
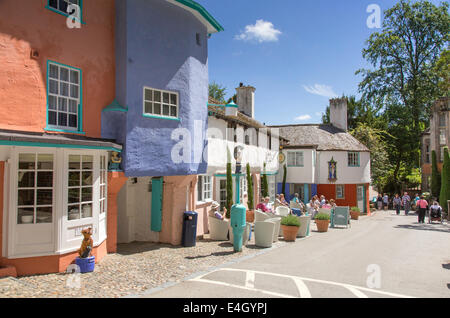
(261, 31)
(321, 90)
(319, 114)
(303, 118)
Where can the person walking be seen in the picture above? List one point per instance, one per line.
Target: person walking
(380, 202)
(397, 203)
(422, 206)
(406, 203)
(386, 201)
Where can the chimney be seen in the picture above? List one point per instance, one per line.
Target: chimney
(338, 113)
(245, 98)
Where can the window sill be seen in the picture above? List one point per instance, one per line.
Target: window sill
(160, 117)
(62, 13)
(65, 131)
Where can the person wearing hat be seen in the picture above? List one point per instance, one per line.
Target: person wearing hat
(215, 206)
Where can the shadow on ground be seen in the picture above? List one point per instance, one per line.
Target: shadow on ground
(423, 227)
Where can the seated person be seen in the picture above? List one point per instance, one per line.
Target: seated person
(264, 206)
(283, 200)
(277, 201)
(435, 210)
(326, 205)
(333, 203)
(215, 213)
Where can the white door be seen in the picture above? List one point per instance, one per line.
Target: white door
(360, 198)
(32, 211)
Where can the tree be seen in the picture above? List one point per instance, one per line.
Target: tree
(264, 184)
(435, 176)
(374, 140)
(445, 187)
(404, 56)
(283, 190)
(217, 92)
(251, 204)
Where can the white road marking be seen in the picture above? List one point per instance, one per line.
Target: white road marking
(302, 288)
(299, 281)
(200, 280)
(250, 280)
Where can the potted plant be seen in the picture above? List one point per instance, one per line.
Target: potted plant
(355, 212)
(322, 221)
(290, 225)
(250, 211)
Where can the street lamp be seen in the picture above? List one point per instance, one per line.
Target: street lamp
(238, 211)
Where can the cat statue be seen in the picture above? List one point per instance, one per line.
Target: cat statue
(86, 244)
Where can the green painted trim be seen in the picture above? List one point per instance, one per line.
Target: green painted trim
(65, 13)
(359, 158)
(115, 106)
(269, 173)
(233, 106)
(80, 106)
(65, 131)
(156, 204)
(216, 105)
(160, 117)
(233, 175)
(291, 166)
(197, 7)
(51, 145)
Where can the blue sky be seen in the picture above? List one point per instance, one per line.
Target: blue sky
(296, 53)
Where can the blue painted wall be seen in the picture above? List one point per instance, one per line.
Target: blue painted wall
(156, 47)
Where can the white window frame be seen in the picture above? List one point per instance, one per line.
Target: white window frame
(162, 104)
(81, 203)
(353, 159)
(299, 159)
(243, 189)
(68, 110)
(103, 201)
(340, 194)
(205, 193)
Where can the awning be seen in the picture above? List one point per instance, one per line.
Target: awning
(30, 139)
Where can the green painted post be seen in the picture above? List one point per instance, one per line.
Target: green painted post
(156, 215)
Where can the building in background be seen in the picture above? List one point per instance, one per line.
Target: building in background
(435, 138)
(325, 159)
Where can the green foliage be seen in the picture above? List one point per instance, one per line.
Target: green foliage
(229, 185)
(355, 209)
(290, 220)
(409, 72)
(322, 216)
(283, 190)
(217, 92)
(264, 184)
(445, 187)
(251, 204)
(435, 176)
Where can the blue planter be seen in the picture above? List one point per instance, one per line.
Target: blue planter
(86, 264)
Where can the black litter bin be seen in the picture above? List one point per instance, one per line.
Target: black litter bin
(189, 229)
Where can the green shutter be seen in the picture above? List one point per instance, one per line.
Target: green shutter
(157, 195)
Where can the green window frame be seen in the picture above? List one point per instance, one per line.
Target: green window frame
(57, 7)
(73, 102)
(353, 159)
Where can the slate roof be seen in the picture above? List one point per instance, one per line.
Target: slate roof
(323, 137)
(217, 109)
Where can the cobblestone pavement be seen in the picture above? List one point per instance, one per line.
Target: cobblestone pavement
(136, 267)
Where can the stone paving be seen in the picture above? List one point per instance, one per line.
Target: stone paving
(135, 268)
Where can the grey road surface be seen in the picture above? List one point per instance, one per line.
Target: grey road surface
(384, 255)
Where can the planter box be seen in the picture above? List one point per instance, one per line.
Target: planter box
(355, 215)
(290, 233)
(322, 225)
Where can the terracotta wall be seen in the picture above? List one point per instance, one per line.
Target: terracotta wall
(116, 180)
(2, 180)
(27, 25)
(329, 191)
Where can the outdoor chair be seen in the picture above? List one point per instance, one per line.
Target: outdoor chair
(264, 232)
(282, 211)
(341, 216)
(245, 235)
(261, 216)
(276, 231)
(295, 205)
(218, 229)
